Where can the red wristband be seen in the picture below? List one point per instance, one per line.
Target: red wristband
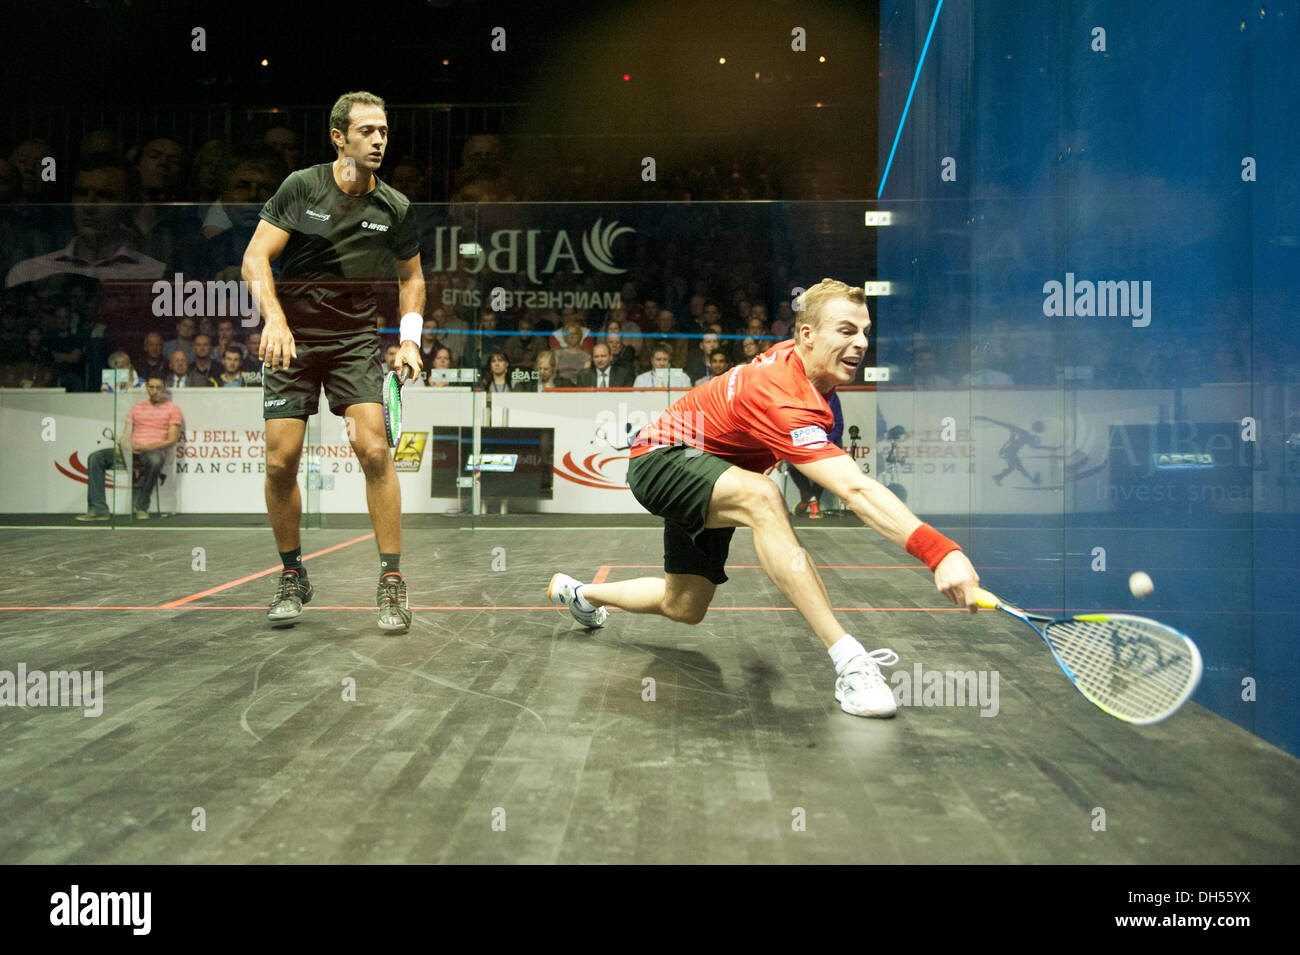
(929, 545)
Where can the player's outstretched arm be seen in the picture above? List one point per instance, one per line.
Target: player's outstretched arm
(881, 509)
(265, 247)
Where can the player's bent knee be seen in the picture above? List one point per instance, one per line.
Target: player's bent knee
(767, 501)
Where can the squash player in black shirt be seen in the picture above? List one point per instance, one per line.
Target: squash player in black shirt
(341, 232)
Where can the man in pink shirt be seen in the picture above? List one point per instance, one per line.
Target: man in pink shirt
(152, 427)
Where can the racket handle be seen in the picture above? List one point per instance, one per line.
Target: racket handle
(985, 599)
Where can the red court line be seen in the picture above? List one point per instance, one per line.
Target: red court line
(243, 580)
(917, 566)
(601, 574)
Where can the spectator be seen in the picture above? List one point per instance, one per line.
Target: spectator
(482, 173)
(184, 340)
(483, 344)
(443, 360)
(571, 359)
(180, 376)
(409, 179)
(546, 376)
(68, 348)
(390, 358)
(429, 341)
(496, 377)
(284, 141)
(232, 375)
(152, 426)
(783, 327)
(205, 181)
(160, 167)
(621, 354)
(121, 361)
(152, 364)
(678, 348)
(661, 375)
(749, 350)
(28, 158)
(30, 365)
(104, 245)
(226, 339)
(925, 371)
(523, 348)
(203, 363)
(252, 362)
(603, 373)
(697, 363)
(718, 365)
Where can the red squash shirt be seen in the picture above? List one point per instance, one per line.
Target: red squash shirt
(751, 416)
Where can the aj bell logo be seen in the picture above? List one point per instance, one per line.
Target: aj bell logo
(373, 226)
(507, 247)
(1085, 299)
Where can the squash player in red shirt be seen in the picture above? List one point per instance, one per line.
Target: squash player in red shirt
(700, 465)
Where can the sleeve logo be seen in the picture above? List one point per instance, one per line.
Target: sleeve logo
(802, 437)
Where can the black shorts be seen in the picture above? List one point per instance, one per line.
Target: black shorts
(676, 484)
(350, 369)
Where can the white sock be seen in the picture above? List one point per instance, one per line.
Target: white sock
(844, 650)
(581, 601)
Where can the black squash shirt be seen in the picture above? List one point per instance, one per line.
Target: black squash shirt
(341, 249)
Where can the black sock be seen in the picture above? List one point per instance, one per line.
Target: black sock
(293, 561)
(390, 564)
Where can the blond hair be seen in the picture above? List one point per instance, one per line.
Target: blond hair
(810, 306)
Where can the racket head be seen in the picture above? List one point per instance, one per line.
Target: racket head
(1135, 669)
(392, 403)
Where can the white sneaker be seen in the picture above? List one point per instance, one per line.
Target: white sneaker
(862, 690)
(563, 593)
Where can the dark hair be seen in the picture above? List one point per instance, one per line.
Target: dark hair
(97, 161)
(341, 113)
(716, 352)
(231, 349)
(486, 379)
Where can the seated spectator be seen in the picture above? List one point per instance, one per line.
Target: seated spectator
(621, 354)
(546, 373)
(226, 339)
(68, 348)
(254, 344)
(697, 363)
(152, 426)
(749, 350)
(205, 181)
(180, 376)
(678, 348)
(496, 377)
(570, 359)
(390, 358)
(483, 342)
(523, 348)
(718, 365)
(186, 329)
(203, 363)
(152, 363)
(661, 374)
(232, 374)
(602, 372)
(783, 327)
(442, 361)
(121, 361)
(30, 364)
(925, 371)
(284, 141)
(451, 331)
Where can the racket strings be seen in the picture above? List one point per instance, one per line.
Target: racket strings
(1137, 671)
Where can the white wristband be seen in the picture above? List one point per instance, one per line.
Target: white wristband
(412, 326)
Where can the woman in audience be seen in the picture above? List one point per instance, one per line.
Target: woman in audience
(496, 377)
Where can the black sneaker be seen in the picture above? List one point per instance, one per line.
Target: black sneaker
(394, 611)
(295, 590)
